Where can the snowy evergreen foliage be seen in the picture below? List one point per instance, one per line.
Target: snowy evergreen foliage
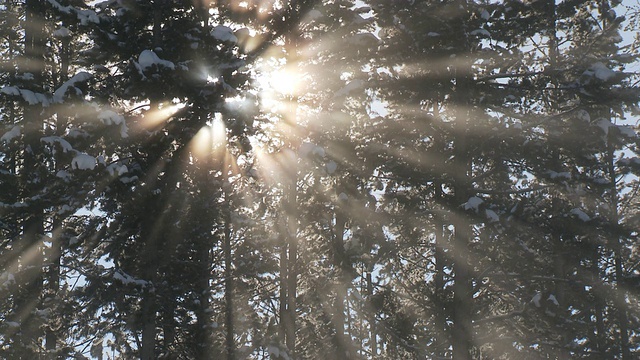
(308, 179)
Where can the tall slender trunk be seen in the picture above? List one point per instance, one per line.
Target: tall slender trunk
(288, 269)
(202, 336)
(439, 258)
(149, 301)
(621, 308)
(373, 336)
(559, 291)
(439, 316)
(284, 269)
(31, 246)
(620, 294)
(340, 286)
(598, 306)
(53, 284)
(228, 279)
(149, 298)
(289, 252)
(292, 279)
(462, 331)
(288, 264)
(558, 247)
(156, 239)
(55, 251)
(169, 328)
(158, 7)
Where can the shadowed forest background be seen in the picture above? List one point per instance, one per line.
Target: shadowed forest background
(300, 179)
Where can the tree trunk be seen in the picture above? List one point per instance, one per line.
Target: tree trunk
(619, 295)
(288, 268)
(290, 250)
(53, 284)
(202, 336)
(598, 306)
(284, 269)
(345, 348)
(169, 329)
(149, 236)
(462, 296)
(292, 279)
(31, 247)
(55, 252)
(621, 307)
(373, 341)
(440, 317)
(149, 301)
(228, 279)
(462, 331)
(158, 6)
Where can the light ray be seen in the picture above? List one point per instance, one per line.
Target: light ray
(202, 143)
(23, 315)
(155, 118)
(218, 132)
(25, 257)
(210, 146)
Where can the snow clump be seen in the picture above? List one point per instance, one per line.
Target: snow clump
(580, 214)
(11, 134)
(148, 58)
(224, 33)
(600, 71)
(331, 167)
(83, 162)
(62, 90)
(473, 203)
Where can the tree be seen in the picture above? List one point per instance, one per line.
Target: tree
(38, 152)
(492, 81)
(303, 179)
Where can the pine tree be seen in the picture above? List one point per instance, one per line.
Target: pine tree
(418, 179)
(51, 108)
(502, 88)
(181, 62)
(315, 213)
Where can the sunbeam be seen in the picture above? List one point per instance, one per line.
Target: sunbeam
(305, 179)
(155, 118)
(202, 143)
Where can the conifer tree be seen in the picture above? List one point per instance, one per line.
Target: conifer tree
(322, 56)
(415, 179)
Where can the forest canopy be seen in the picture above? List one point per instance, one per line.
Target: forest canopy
(305, 179)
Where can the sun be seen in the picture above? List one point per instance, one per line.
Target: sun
(285, 82)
